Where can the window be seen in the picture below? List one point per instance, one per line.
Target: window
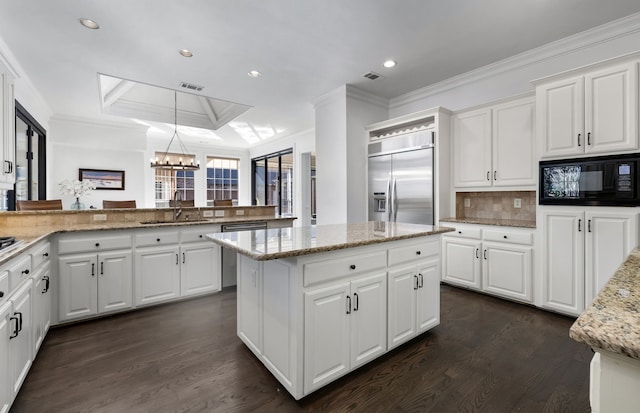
(222, 179)
(273, 181)
(168, 181)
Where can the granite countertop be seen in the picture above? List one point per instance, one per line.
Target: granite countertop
(492, 221)
(271, 244)
(612, 321)
(29, 235)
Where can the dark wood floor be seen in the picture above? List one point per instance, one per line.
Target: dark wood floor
(488, 355)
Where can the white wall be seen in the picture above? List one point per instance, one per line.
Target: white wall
(303, 142)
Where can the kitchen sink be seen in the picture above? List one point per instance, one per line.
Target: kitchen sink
(173, 222)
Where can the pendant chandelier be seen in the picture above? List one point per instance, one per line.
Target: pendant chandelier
(169, 160)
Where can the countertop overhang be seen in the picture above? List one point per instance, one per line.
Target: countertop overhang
(612, 321)
(492, 221)
(271, 244)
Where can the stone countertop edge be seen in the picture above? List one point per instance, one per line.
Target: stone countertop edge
(326, 248)
(29, 241)
(612, 321)
(493, 221)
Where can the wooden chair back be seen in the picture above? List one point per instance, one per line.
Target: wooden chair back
(185, 204)
(43, 205)
(118, 204)
(223, 202)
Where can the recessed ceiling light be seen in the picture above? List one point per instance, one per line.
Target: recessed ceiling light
(389, 64)
(88, 23)
(185, 53)
(254, 73)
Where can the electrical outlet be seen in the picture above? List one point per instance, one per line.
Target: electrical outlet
(99, 217)
(517, 203)
(207, 214)
(219, 213)
(239, 211)
(467, 202)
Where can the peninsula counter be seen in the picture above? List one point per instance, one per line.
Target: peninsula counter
(315, 303)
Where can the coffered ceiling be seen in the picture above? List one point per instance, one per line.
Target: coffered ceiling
(303, 49)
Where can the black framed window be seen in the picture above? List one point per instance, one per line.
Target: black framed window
(272, 181)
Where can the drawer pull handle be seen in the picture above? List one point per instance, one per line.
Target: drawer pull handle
(418, 252)
(25, 272)
(352, 266)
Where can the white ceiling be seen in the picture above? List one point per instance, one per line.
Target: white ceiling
(303, 48)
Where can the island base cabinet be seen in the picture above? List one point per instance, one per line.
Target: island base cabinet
(249, 303)
(7, 327)
(344, 328)
(21, 348)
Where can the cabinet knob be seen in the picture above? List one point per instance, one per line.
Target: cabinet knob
(158, 239)
(200, 235)
(352, 266)
(46, 254)
(1, 294)
(505, 237)
(25, 272)
(418, 252)
(97, 244)
(459, 232)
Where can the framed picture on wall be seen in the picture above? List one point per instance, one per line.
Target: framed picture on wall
(103, 178)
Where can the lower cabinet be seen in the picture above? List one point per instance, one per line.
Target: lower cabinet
(41, 305)
(344, 328)
(20, 345)
(200, 268)
(91, 284)
(414, 301)
(461, 261)
(7, 326)
(157, 273)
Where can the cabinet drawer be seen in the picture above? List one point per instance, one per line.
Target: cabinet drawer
(150, 238)
(94, 243)
(525, 238)
(402, 255)
(39, 254)
(464, 232)
(197, 233)
(19, 271)
(317, 272)
(4, 286)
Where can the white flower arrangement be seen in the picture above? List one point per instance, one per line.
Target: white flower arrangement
(76, 188)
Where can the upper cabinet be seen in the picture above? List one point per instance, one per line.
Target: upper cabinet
(494, 146)
(589, 111)
(7, 129)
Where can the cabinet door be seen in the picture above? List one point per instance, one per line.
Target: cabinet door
(472, 148)
(506, 270)
(326, 335)
(78, 286)
(368, 319)
(403, 284)
(200, 272)
(563, 261)
(7, 327)
(7, 130)
(249, 303)
(428, 296)
(514, 159)
(461, 260)
(21, 347)
(115, 281)
(560, 117)
(157, 274)
(41, 306)
(611, 109)
(610, 239)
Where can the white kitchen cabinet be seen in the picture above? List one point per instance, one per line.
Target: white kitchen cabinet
(92, 284)
(200, 264)
(495, 145)
(582, 249)
(249, 303)
(157, 274)
(41, 305)
(344, 327)
(590, 111)
(7, 326)
(20, 347)
(492, 259)
(7, 130)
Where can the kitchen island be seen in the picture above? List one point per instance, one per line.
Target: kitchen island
(315, 303)
(611, 326)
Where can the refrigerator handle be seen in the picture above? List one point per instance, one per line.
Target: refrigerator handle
(388, 200)
(395, 200)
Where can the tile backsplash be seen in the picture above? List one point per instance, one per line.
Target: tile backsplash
(496, 205)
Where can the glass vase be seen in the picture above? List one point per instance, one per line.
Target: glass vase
(77, 205)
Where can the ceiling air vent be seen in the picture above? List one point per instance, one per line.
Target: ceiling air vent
(371, 75)
(191, 86)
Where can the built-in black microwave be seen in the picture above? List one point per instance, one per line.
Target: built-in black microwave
(603, 181)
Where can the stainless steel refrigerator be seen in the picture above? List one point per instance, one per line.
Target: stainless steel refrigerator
(401, 178)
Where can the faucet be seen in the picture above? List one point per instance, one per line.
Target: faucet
(177, 205)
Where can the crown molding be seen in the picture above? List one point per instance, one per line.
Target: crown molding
(330, 97)
(130, 125)
(610, 31)
(366, 97)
